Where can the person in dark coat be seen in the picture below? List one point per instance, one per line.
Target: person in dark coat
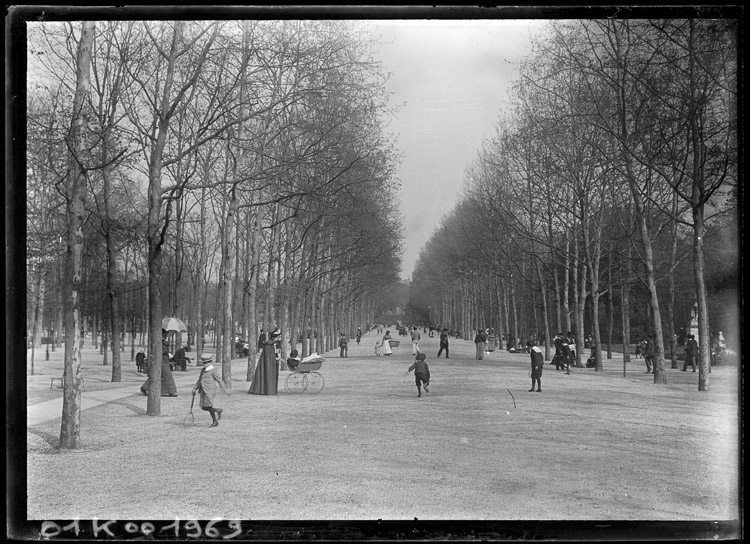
(343, 345)
(266, 379)
(558, 359)
(421, 374)
(648, 354)
(443, 343)
(168, 387)
(568, 353)
(209, 382)
(180, 359)
(480, 340)
(691, 353)
(140, 361)
(537, 364)
(293, 361)
(261, 340)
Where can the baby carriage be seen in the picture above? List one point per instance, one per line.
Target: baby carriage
(305, 378)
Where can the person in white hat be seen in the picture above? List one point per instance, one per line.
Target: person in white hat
(208, 383)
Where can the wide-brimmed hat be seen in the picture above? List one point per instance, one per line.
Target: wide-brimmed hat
(205, 359)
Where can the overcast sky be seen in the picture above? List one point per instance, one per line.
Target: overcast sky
(452, 77)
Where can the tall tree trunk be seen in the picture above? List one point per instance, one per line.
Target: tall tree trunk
(624, 137)
(224, 351)
(113, 306)
(36, 330)
(558, 301)
(671, 286)
(252, 294)
(155, 232)
(610, 307)
(75, 187)
(700, 291)
(566, 284)
(698, 179)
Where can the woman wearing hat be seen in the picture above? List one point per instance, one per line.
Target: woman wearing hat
(266, 379)
(208, 383)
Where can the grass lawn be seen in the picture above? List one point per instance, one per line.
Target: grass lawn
(592, 446)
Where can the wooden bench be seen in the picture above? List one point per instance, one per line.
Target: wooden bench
(60, 380)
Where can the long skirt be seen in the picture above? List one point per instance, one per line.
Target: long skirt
(266, 379)
(387, 347)
(168, 387)
(480, 350)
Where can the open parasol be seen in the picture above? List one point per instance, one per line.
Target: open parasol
(173, 324)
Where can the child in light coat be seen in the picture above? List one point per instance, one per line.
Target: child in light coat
(209, 382)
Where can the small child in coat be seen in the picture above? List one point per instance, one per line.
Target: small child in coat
(293, 361)
(421, 374)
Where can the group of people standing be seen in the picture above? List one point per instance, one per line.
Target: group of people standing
(565, 351)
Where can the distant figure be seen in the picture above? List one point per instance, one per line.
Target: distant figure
(691, 353)
(359, 335)
(421, 374)
(343, 345)
(140, 360)
(537, 364)
(415, 338)
(480, 340)
(559, 358)
(179, 359)
(443, 343)
(648, 354)
(491, 340)
(572, 350)
(385, 345)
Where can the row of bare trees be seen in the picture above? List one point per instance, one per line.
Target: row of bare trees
(170, 161)
(616, 160)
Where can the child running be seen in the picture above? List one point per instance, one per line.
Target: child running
(421, 374)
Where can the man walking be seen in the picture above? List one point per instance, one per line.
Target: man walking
(415, 338)
(691, 353)
(343, 344)
(649, 354)
(443, 343)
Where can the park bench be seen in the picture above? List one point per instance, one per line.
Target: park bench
(61, 381)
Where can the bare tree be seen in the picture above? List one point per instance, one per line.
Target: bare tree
(75, 191)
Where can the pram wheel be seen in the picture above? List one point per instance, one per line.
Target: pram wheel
(314, 382)
(296, 383)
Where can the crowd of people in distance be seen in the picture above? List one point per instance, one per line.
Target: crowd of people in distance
(266, 373)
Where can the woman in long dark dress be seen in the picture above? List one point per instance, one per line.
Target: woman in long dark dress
(266, 379)
(168, 387)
